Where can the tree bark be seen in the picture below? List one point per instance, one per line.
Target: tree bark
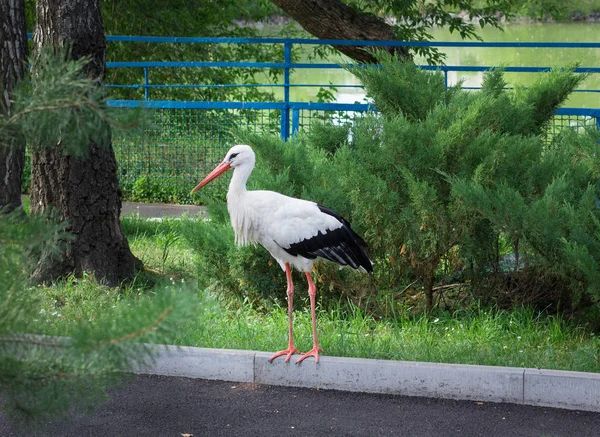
(13, 63)
(82, 191)
(332, 19)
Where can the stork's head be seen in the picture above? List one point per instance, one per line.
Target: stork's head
(239, 155)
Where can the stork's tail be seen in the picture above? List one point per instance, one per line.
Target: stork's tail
(355, 245)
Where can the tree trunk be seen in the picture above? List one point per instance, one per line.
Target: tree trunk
(84, 191)
(332, 19)
(13, 62)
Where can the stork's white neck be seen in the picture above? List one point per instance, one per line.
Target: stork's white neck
(241, 218)
(241, 173)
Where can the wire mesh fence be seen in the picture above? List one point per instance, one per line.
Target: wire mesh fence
(164, 161)
(569, 121)
(307, 117)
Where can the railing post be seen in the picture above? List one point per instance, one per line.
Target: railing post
(295, 121)
(597, 115)
(285, 112)
(445, 77)
(146, 83)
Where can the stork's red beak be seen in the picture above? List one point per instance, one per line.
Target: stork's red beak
(219, 169)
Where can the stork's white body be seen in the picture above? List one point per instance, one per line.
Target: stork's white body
(276, 222)
(296, 232)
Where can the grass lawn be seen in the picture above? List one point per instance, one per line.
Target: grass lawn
(520, 338)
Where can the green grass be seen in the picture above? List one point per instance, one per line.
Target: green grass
(520, 338)
(167, 260)
(160, 246)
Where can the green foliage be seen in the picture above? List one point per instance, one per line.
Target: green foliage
(547, 93)
(42, 375)
(326, 95)
(190, 19)
(547, 9)
(435, 182)
(493, 82)
(552, 209)
(329, 138)
(399, 90)
(59, 104)
(146, 190)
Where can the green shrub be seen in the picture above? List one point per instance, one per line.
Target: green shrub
(26, 182)
(147, 189)
(551, 214)
(444, 184)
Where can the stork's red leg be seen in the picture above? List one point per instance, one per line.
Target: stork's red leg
(291, 350)
(312, 294)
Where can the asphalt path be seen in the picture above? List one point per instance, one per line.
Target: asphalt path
(157, 406)
(160, 209)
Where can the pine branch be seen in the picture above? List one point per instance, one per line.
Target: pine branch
(21, 114)
(33, 340)
(27, 242)
(99, 111)
(60, 104)
(66, 375)
(135, 334)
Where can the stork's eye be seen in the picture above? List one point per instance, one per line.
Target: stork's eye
(233, 155)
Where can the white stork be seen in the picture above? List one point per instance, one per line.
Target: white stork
(295, 232)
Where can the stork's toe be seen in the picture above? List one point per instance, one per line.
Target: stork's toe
(287, 352)
(314, 352)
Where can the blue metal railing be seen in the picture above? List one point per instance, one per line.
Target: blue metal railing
(187, 138)
(287, 63)
(290, 110)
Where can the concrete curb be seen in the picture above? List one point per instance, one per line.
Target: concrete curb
(549, 388)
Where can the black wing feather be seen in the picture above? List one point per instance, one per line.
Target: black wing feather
(341, 245)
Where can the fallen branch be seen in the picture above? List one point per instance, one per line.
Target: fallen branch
(447, 286)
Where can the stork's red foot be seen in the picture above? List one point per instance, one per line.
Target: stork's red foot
(291, 350)
(314, 352)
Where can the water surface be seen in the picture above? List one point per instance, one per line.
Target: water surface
(528, 57)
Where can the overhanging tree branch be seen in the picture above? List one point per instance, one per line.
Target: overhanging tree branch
(332, 19)
(409, 20)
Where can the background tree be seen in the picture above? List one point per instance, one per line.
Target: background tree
(183, 18)
(332, 19)
(13, 65)
(83, 189)
(412, 19)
